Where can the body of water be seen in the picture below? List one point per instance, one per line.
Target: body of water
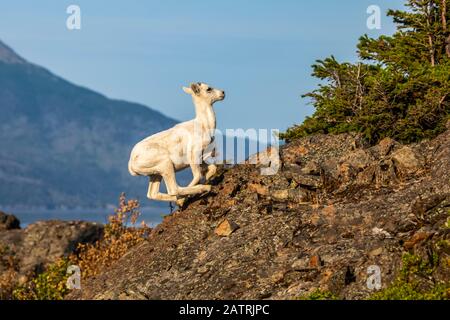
(151, 215)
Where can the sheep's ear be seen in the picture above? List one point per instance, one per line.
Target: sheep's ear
(195, 88)
(188, 90)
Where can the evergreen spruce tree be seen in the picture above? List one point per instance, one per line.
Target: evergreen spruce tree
(399, 89)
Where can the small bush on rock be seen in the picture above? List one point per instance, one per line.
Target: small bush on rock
(319, 295)
(411, 283)
(8, 277)
(49, 285)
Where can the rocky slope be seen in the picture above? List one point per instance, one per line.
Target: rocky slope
(335, 208)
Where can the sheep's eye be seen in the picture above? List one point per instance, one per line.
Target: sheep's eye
(209, 90)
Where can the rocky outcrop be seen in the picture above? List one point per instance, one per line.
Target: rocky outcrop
(335, 208)
(42, 243)
(8, 221)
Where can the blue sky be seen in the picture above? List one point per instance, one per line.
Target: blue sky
(259, 51)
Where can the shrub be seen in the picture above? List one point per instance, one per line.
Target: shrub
(118, 238)
(319, 295)
(413, 281)
(49, 285)
(8, 277)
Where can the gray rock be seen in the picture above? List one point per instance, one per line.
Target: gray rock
(42, 243)
(8, 222)
(407, 161)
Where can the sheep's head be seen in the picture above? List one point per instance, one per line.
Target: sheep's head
(205, 92)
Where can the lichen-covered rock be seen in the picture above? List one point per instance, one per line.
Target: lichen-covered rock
(226, 228)
(361, 209)
(407, 161)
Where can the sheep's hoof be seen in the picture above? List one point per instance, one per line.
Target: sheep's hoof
(180, 202)
(209, 175)
(211, 172)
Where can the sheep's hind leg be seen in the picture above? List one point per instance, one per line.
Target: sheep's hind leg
(153, 190)
(174, 189)
(200, 188)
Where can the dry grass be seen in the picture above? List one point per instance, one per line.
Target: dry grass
(118, 238)
(8, 277)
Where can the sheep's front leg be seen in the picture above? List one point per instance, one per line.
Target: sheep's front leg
(177, 191)
(212, 169)
(196, 173)
(194, 187)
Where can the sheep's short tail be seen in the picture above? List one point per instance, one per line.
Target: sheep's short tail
(130, 169)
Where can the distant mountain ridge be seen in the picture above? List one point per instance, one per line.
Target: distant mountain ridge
(62, 144)
(8, 55)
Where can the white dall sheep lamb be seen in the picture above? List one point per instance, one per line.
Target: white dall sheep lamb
(161, 155)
